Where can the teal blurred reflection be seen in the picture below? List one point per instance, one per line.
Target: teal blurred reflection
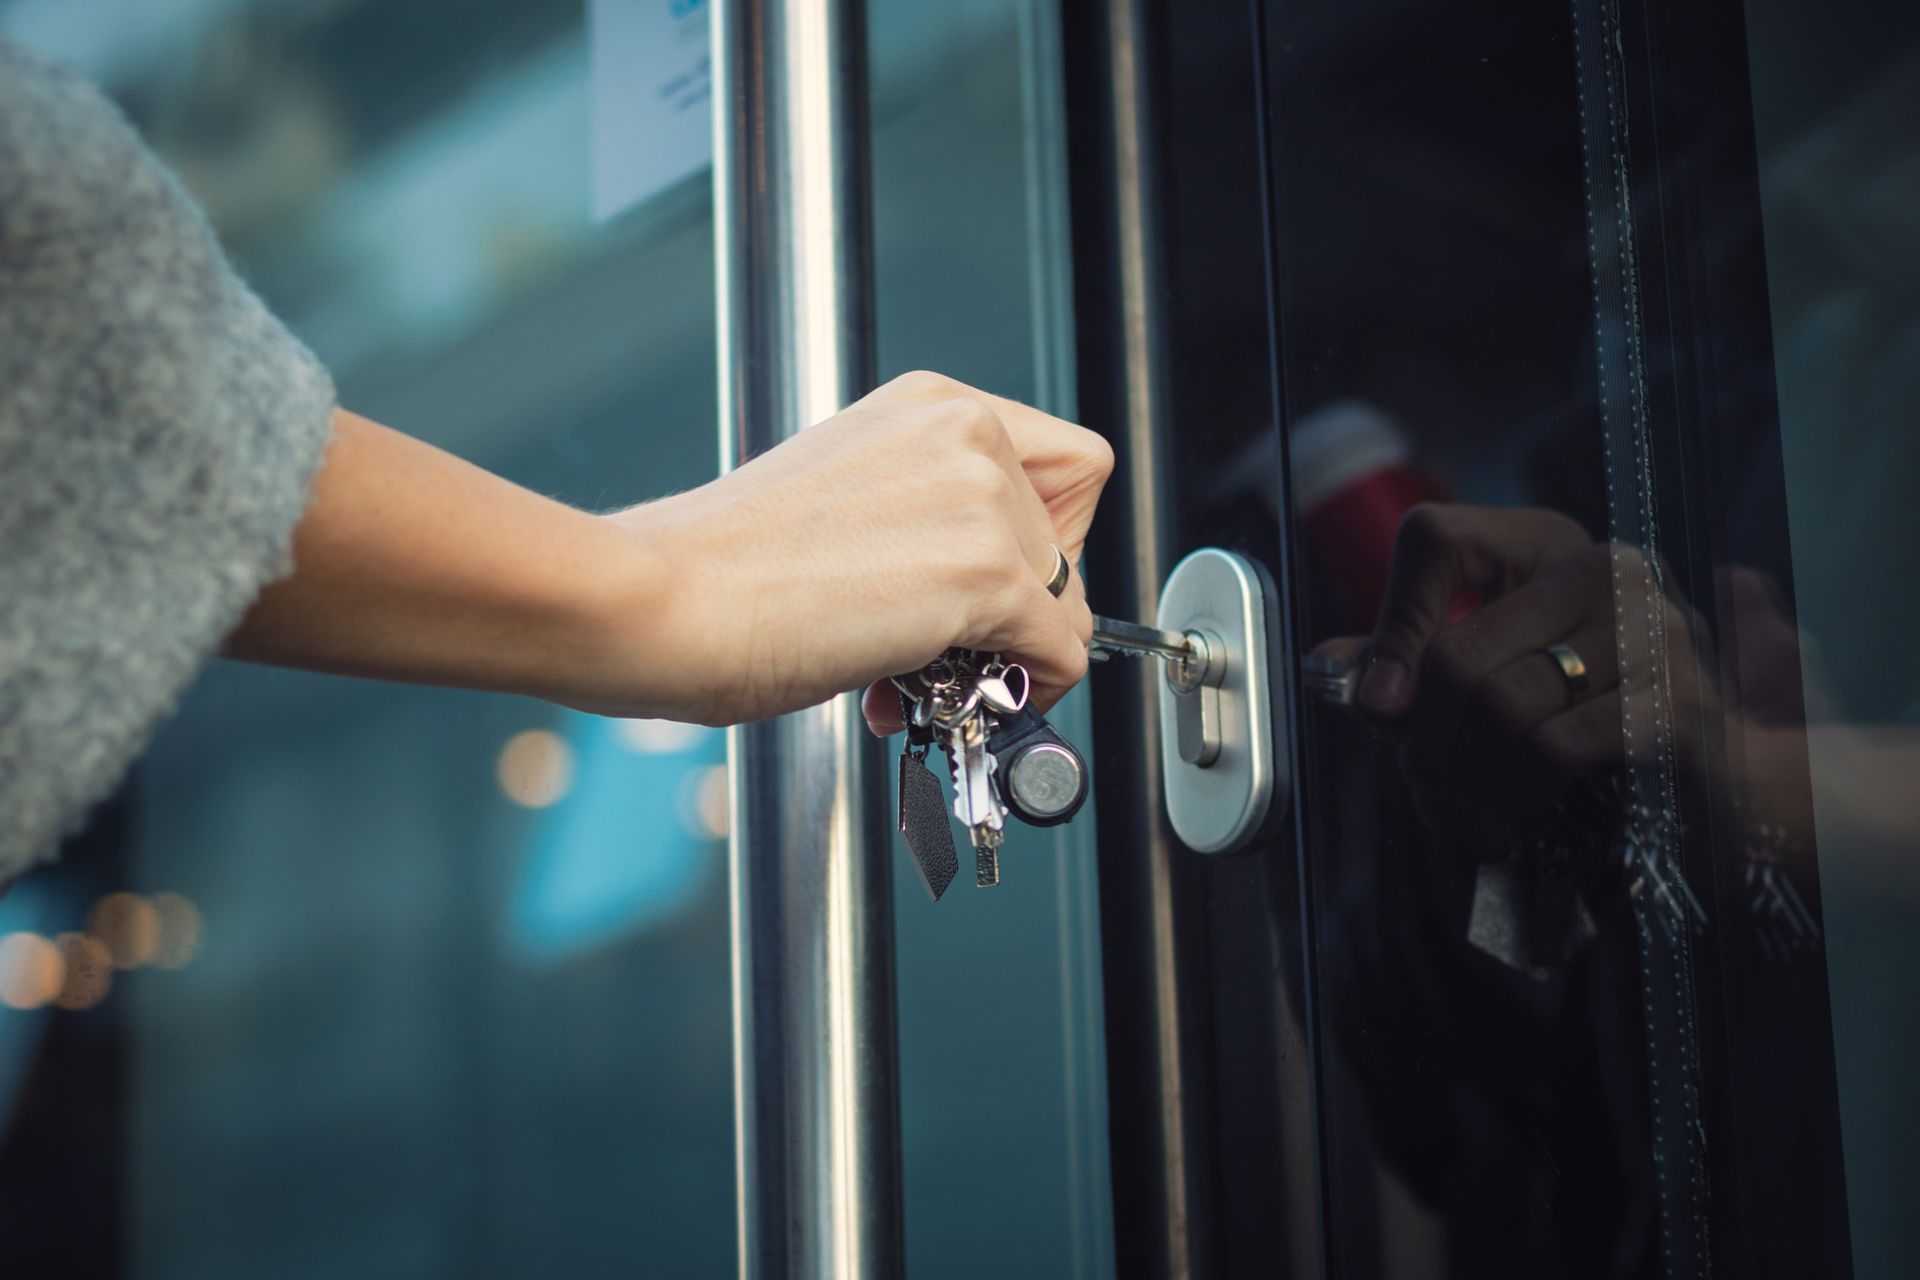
(605, 861)
(434, 1030)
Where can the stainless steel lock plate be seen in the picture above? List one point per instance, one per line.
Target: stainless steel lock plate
(1220, 761)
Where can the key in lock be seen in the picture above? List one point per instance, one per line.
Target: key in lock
(1221, 761)
(1195, 671)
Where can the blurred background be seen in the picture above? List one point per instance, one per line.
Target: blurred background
(369, 980)
(362, 979)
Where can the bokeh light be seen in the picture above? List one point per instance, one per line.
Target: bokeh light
(659, 737)
(88, 971)
(32, 971)
(179, 932)
(129, 927)
(535, 768)
(711, 817)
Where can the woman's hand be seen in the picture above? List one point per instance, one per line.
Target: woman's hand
(923, 516)
(1491, 730)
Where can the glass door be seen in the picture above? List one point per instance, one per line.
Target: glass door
(405, 981)
(367, 980)
(1551, 361)
(1002, 1082)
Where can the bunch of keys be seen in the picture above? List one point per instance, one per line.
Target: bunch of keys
(1001, 753)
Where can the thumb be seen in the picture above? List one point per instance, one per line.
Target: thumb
(1426, 574)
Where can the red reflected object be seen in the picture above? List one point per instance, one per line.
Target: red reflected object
(1353, 482)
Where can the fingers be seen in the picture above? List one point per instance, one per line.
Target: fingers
(1441, 551)
(1066, 465)
(1459, 662)
(1033, 524)
(1535, 687)
(1512, 702)
(880, 704)
(1005, 485)
(1048, 637)
(1021, 618)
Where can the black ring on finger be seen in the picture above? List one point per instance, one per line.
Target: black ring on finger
(1572, 667)
(1062, 574)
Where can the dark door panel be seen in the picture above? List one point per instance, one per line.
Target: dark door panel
(1534, 978)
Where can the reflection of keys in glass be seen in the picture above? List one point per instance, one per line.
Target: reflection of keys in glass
(1332, 680)
(1781, 917)
(1649, 863)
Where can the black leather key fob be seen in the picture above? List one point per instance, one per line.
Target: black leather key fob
(1042, 780)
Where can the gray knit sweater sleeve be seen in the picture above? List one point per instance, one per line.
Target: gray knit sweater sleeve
(158, 435)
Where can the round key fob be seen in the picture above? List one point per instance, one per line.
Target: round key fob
(1042, 779)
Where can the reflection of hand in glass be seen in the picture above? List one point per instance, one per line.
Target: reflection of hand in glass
(1492, 729)
(1492, 732)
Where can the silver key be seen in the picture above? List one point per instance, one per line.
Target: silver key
(962, 724)
(962, 696)
(976, 802)
(1116, 635)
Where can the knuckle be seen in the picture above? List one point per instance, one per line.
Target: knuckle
(924, 384)
(1099, 454)
(976, 425)
(1082, 623)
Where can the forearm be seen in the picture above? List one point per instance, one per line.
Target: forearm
(813, 569)
(413, 565)
(1868, 811)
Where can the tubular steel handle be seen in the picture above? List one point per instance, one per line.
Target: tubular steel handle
(816, 1099)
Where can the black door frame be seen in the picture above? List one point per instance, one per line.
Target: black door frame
(1215, 1165)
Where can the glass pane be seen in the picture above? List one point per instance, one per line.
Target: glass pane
(1001, 1047)
(441, 980)
(1836, 111)
(1611, 898)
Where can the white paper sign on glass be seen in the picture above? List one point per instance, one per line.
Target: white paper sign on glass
(652, 85)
